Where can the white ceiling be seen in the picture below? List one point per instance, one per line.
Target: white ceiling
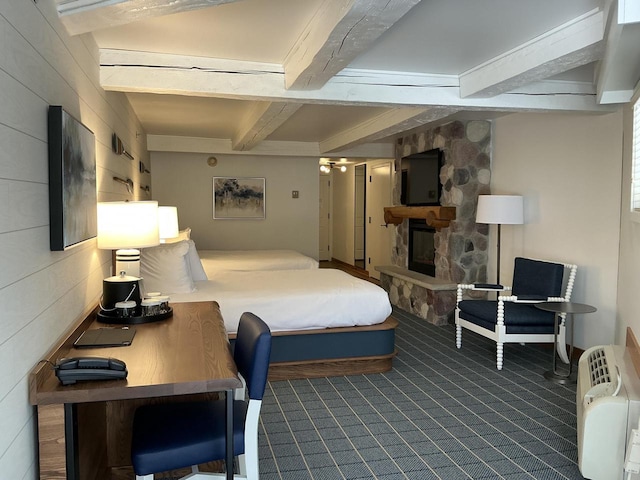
(334, 77)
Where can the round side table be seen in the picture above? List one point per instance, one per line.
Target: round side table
(569, 308)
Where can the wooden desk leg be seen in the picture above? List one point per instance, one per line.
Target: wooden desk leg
(51, 442)
(229, 439)
(71, 440)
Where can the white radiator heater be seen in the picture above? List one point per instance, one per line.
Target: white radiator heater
(608, 409)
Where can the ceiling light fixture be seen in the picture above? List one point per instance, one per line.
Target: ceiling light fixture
(327, 167)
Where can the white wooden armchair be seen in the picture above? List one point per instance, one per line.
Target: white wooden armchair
(513, 318)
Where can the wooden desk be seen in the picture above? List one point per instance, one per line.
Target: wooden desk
(186, 354)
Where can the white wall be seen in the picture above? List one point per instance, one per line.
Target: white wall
(629, 269)
(344, 214)
(186, 181)
(568, 168)
(42, 293)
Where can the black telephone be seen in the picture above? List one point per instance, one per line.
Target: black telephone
(70, 370)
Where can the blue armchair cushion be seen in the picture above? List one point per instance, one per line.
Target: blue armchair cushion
(175, 435)
(534, 277)
(518, 317)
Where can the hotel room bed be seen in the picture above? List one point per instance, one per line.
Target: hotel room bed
(214, 261)
(324, 321)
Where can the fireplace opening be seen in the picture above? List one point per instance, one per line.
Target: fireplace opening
(422, 250)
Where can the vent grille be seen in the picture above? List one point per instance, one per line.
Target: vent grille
(599, 367)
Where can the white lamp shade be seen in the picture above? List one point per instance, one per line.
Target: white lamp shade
(168, 222)
(128, 225)
(500, 209)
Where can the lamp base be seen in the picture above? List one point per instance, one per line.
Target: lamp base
(127, 261)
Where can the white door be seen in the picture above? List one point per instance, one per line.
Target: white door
(378, 235)
(324, 243)
(358, 253)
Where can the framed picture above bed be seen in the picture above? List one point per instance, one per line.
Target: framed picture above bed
(72, 181)
(238, 197)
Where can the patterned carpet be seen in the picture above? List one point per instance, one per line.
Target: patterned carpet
(441, 413)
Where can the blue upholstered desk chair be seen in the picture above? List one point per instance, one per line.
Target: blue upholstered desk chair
(513, 318)
(177, 435)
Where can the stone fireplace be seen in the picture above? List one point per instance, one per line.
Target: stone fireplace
(460, 250)
(421, 247)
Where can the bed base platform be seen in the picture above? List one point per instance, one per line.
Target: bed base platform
(332, 351)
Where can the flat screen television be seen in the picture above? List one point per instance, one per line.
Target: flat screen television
(420, 181)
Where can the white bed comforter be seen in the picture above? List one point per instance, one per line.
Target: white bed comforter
(216, 261)
(294, 299)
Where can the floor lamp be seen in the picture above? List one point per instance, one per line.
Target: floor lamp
(500, 210)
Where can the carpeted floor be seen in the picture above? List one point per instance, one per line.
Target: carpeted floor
(441, 413)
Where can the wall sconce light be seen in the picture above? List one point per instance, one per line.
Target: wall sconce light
(143, 168)
(118, 147)
(128, 182)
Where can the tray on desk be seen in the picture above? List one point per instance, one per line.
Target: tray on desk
(111, 317)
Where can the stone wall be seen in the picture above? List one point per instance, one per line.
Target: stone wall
(461, 248)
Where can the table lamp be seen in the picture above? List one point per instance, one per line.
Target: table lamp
(500, 210)
(125, 227)
(168, 223)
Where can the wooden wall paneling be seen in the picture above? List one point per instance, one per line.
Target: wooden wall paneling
(85, 97)
(22, 203)
(44, 291)
(24, 349)
(22, 157)
(21, 110)
(24, 253)
(21, 305)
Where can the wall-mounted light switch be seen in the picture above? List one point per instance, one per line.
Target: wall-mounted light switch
(295, 194)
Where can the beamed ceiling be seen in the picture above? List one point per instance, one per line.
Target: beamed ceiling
(347, 77)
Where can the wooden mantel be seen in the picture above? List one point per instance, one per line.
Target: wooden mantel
(436, 217)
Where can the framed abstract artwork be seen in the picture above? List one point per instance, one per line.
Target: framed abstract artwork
(72, 181)
(238, 197)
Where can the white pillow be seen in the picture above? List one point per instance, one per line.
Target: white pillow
(197, 270)
(165, 268)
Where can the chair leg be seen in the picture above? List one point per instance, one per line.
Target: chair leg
(242, 465)
(249, 464)
(561, 345)
(458, 336)
(499, 355)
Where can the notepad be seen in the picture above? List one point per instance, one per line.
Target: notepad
(105, 337)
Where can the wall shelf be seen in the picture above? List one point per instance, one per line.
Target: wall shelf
(436, 217)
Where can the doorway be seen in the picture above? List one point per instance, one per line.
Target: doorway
(324, 242)
(360, 215)
(378, 235)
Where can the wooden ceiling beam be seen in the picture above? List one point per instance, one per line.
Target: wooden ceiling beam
(128, 71)
(573, 44)
(339, 32)
(83, 16)
(262, 120)
(174, 143)
(392, 122)
(616, 75)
